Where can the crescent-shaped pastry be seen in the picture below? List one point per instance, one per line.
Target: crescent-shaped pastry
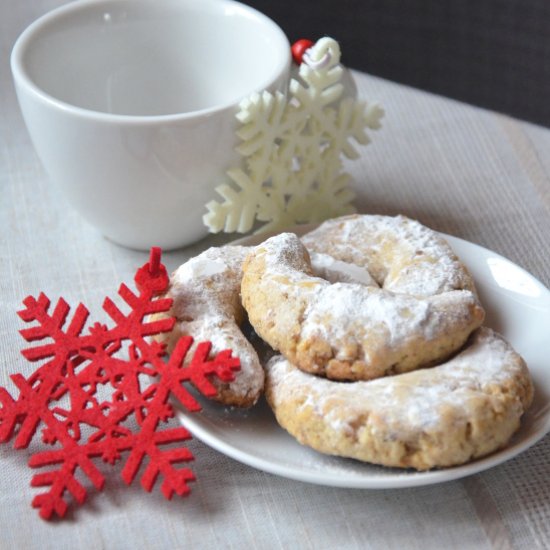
(442, 416)
(349, 331)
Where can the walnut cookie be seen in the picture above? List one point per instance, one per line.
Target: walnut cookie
(349, 331)
(447, 415)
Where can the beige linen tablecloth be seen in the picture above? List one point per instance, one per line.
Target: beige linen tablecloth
(471, 173)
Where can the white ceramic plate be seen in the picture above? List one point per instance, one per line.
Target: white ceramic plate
(517, 305)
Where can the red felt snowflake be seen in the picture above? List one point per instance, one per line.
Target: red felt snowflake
(63, 394)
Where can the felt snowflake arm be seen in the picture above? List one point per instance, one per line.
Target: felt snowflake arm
(350, 124)
(373, 115)
(238, 209)
(264, 122)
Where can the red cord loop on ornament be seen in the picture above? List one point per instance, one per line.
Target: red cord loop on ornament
(154, 260)
(152, 276)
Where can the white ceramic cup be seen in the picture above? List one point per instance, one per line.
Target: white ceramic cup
(131, 106)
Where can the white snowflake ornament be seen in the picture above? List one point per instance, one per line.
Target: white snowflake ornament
(292, 149)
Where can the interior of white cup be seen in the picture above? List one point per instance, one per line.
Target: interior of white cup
(152, 57)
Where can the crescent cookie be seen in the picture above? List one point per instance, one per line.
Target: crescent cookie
(206, 304)
(437, 417)
(348, 331)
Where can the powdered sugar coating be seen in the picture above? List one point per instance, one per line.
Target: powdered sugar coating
(337, 271)
(347, 330)
(207, 306)
(445, 415)
(401, 254)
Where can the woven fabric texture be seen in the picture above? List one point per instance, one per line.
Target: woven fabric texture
(462, 170)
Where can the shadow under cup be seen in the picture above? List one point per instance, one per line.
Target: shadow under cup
(131, 106)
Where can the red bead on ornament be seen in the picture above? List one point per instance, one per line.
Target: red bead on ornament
(299, 48)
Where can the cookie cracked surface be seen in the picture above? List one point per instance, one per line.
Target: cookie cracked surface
(443, 416)
(349, 331)
(401, 254)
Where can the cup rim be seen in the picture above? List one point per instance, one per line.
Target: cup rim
(22, 78)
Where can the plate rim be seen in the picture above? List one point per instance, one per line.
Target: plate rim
(397, 478)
